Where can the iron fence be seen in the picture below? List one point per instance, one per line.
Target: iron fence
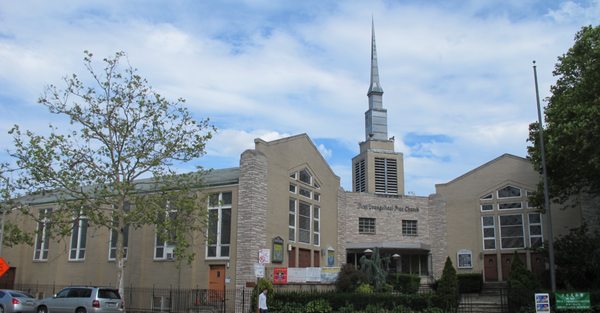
(167, 300)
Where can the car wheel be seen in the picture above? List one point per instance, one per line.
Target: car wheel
(42, 309)
(79, 310)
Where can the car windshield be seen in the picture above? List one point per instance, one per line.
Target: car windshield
(108, 294)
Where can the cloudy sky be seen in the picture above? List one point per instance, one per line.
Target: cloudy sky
(457, 75)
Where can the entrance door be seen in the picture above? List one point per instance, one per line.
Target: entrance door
(538, 266)
(507, 261)
(490, 267)
(7, 281)
(216, 283)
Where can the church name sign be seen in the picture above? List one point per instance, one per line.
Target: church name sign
(392, 208)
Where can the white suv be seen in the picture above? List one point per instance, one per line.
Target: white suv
(82, 300)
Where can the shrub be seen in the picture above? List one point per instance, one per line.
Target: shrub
(318, 306)
(470, 283)
(447, 288)
(405, 283)
(365, 289)
(349, 278)
(522, 285)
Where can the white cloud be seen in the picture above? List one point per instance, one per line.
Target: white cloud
(232, 142)
(326, 153)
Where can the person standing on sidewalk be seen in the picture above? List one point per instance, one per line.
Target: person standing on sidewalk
(262, 302)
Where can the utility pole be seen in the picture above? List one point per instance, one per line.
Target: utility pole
(548, 211)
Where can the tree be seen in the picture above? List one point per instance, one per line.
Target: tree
(522, 285)
(113, 168)
(10, 234)
(572, 131)
(447, 287)
(583, 271)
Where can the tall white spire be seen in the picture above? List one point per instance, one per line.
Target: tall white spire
(376, 116)
(374, 87)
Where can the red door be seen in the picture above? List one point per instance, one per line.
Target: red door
(490, 267)
(216, 283)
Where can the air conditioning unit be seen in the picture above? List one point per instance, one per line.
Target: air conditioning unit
(169, 253)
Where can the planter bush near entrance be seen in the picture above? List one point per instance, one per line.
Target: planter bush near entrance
(405, 283)
(289, 302)
(470, 283)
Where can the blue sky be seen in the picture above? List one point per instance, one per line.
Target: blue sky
(457, 75)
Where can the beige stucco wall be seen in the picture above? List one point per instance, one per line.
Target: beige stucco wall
(142, 270)
(462, 197)
(284, 157)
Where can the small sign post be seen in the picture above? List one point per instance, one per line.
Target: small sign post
(542, 302)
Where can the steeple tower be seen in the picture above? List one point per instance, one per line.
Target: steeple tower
(376, 116)
(378, 168)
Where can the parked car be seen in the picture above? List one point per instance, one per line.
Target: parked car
(82, 299)
(14, 301)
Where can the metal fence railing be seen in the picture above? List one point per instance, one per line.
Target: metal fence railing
(168, 300)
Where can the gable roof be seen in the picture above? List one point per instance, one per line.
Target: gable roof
(496, 160)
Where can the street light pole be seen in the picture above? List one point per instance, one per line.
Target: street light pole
(545, 179)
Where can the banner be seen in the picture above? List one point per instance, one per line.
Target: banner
(573, 300)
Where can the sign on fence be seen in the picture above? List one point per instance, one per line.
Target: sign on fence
(542, 302)
(573, 300)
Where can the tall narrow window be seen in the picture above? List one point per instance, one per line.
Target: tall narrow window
(536, 237)
(304, 222)
(78, 238)
(386, 176)
(292, 221)
(316, 226)
(42, 239)
(219, 225)
(164, 244)
(488, 226)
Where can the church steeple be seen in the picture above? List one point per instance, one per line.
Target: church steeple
(374, 87)
(378, 168)
(376, 116)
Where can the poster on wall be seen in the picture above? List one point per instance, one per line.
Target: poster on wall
(259, 270)
(296, 275)
(329, 274)
(277, 250)
(464, 258)
(264, 256)
(280, 275)
(330, 257)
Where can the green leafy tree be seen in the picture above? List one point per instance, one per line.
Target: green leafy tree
(10, 233)
(113, 166)
(572, 131)
(447, 287)
(583, 271)
(522, 285)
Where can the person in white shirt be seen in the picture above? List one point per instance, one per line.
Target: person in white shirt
(262, 302)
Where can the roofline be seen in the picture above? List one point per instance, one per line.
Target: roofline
(505, 155)
(301, 135)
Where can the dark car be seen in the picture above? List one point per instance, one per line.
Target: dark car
(16, 301)
(82, 299)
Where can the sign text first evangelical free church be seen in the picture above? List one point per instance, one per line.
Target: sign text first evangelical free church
(392, 208)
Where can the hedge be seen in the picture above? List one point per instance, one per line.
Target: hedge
(470, 283)
(358, 301)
